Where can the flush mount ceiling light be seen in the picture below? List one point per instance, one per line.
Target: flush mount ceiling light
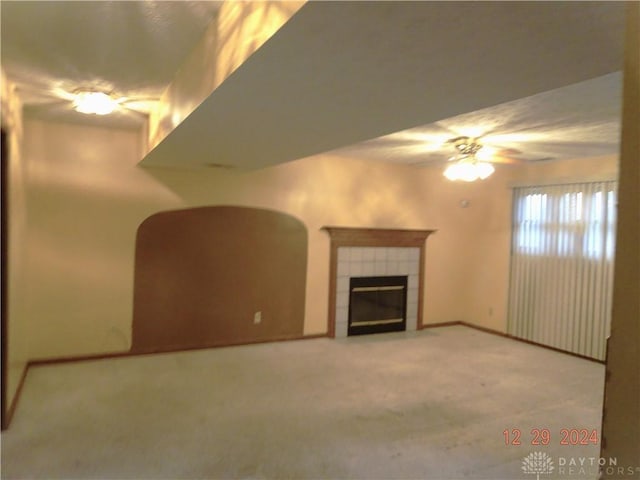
(467, 167)
(93, 102)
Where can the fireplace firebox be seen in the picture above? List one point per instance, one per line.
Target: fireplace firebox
(377, 304)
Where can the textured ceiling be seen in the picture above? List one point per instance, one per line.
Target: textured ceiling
(132, 48)
(381, 80)
(577, 121)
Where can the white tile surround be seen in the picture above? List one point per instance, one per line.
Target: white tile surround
(375, 262)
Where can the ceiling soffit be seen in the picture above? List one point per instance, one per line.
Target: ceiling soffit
(342, 72)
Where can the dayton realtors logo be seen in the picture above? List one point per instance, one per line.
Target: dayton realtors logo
(582, 466)
(537, 463)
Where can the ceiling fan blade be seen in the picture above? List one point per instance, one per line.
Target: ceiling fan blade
(459, 138)
(542, 159)
(505, 160)
(47, 105)
(507, 151)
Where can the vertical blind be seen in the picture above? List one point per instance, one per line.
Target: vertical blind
(562, 266)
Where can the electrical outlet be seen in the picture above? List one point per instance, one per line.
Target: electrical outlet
(257, 318)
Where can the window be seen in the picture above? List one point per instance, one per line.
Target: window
(554, 221)
(562, 265)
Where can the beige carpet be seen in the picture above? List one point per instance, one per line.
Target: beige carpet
(426, 405)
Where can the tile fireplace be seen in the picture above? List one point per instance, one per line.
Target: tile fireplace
(368, 260)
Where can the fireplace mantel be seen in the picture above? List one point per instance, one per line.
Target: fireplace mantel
(376, 237)
(372, 237)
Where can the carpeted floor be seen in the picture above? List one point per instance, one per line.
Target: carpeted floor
(426, 405)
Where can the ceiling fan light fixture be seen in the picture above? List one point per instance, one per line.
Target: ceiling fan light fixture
(466, 166)
(92, 102)
(468, 171)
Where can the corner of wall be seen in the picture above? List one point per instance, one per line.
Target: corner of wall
(17, 354)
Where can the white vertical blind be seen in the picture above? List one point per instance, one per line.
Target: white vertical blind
(562, 266)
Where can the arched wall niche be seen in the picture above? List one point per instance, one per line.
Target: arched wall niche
(222, 275)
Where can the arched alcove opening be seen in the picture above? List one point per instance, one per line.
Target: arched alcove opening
(223, 275)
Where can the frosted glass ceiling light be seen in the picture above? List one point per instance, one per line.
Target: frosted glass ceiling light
(98, 103)
(466, 166)
(468, 171)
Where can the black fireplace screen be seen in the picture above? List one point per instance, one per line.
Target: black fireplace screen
(377, 304)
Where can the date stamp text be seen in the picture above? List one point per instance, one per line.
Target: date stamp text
(546, 436)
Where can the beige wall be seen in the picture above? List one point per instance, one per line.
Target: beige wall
(18, 319)
(87, 198)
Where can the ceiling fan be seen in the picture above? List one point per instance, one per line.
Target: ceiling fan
(473, 161)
